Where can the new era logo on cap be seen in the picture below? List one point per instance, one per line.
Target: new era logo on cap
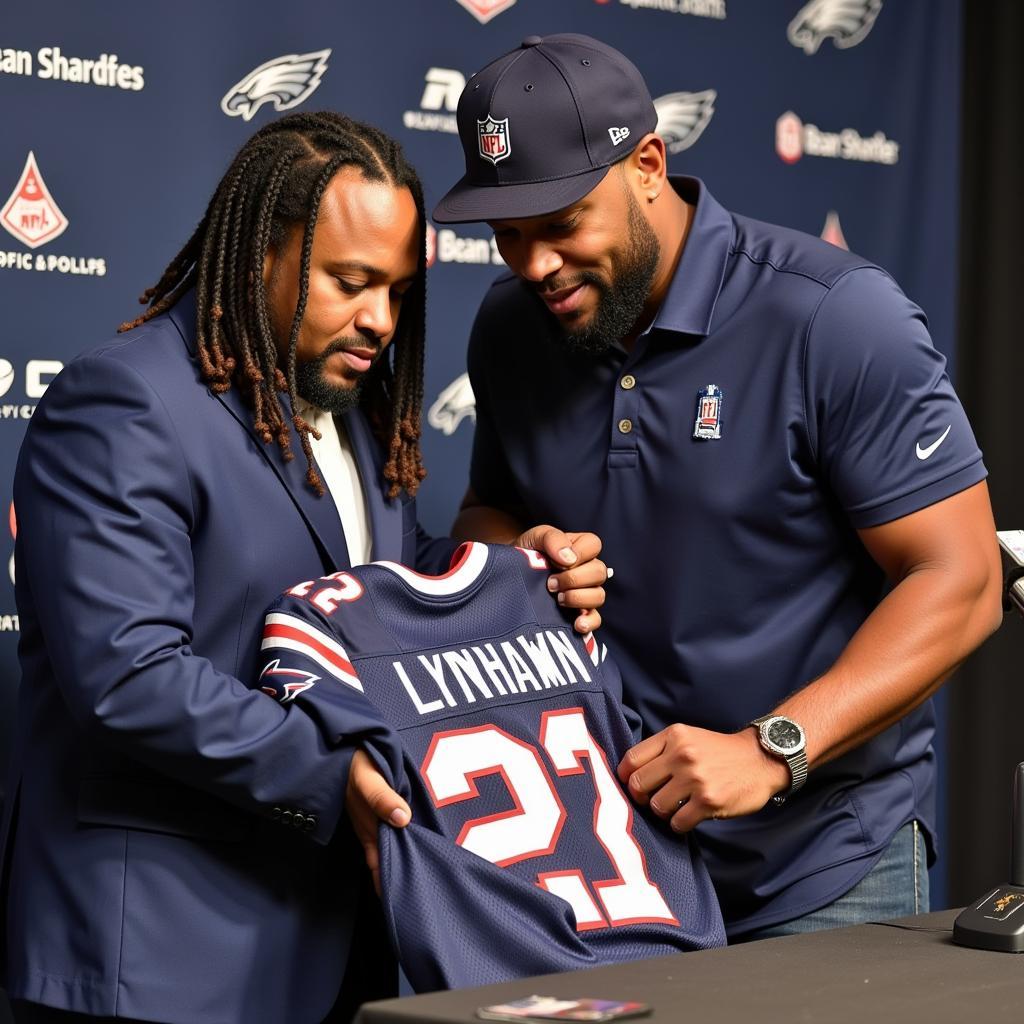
(578, 105)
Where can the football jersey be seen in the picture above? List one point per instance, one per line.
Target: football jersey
(502, 728)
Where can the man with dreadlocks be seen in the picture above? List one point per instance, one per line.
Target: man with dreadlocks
(177, 846)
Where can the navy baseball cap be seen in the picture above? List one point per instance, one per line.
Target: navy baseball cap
(540, 127)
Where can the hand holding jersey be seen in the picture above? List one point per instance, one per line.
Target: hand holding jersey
(939, 558)
(369, 799)
(501, 727)
(685, 774)
(581, 583)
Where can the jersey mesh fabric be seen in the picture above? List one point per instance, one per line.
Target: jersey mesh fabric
(455, 917)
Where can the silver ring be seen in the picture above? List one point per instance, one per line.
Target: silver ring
(609, 572)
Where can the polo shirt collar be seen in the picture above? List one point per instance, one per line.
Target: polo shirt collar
(690, 301)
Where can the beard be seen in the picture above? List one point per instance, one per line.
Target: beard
(312, 383)
(620, 302)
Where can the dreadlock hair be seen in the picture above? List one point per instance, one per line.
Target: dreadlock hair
(277, 180)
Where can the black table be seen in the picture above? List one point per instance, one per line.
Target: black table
(906, 971)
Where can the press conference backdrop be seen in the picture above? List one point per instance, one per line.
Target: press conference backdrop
(836, 117)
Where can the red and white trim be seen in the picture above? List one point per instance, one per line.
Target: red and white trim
(469, 562)
(286, 632)
(535, 559)
(597, 652)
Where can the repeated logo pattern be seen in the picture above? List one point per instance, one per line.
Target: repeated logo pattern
(846, 22)
(683, 116)
(284, 82)
(31, 214)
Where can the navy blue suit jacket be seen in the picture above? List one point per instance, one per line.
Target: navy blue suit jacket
(151, 870)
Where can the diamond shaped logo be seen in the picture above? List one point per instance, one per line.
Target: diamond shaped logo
(30, 213)
(484, 10)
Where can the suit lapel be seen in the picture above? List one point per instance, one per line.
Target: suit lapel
(385, 513)
(319, 514)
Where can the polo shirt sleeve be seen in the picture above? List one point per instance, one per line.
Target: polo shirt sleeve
(885, 425)
(489, 474)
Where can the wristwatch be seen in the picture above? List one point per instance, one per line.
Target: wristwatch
(782, 737)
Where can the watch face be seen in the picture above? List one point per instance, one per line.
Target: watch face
(784, 734)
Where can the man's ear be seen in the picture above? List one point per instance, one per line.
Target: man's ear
(648, 167)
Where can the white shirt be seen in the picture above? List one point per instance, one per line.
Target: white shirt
(337, 464)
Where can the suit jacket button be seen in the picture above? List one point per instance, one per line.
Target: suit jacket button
(310, 822)
(298, 819)
(275, 814)
(286, 817)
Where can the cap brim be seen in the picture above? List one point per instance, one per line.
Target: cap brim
(467, 202)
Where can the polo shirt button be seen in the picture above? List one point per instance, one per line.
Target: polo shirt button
(628, 382)
(625, 426)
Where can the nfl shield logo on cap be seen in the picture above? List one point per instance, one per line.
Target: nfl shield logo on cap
(493, 139)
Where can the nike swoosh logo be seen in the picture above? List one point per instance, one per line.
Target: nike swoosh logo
(926, 453)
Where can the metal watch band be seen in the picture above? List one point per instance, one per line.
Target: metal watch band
(798, 769)
(796, 762)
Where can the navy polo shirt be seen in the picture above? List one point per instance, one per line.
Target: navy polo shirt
(739, 576)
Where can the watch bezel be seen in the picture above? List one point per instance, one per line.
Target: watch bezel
(784, 752)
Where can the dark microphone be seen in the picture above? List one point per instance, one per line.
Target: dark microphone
(996, 921)
(1017, 849)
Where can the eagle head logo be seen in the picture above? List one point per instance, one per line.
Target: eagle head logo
(285, 82)
(453, 405)
(683, 116)
(847, 22)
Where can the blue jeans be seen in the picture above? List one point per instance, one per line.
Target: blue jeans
(896, 886)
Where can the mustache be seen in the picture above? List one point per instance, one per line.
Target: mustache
(349, 344)
(561, 283)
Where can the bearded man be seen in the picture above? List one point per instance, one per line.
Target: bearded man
(758, 427)
(178, 847)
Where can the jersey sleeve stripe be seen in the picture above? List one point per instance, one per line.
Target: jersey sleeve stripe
(285, 632)
(308, 630)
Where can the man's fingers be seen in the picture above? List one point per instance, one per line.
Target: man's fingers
(586, 545)
(558, 547)
(637, 756)
(562, 549)
(586, 574)
(579, 575)
(373, 863)
(688, 817)
(646, 781)
(668, 800)
(372, 856)
(369, 787)
(584, 597)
